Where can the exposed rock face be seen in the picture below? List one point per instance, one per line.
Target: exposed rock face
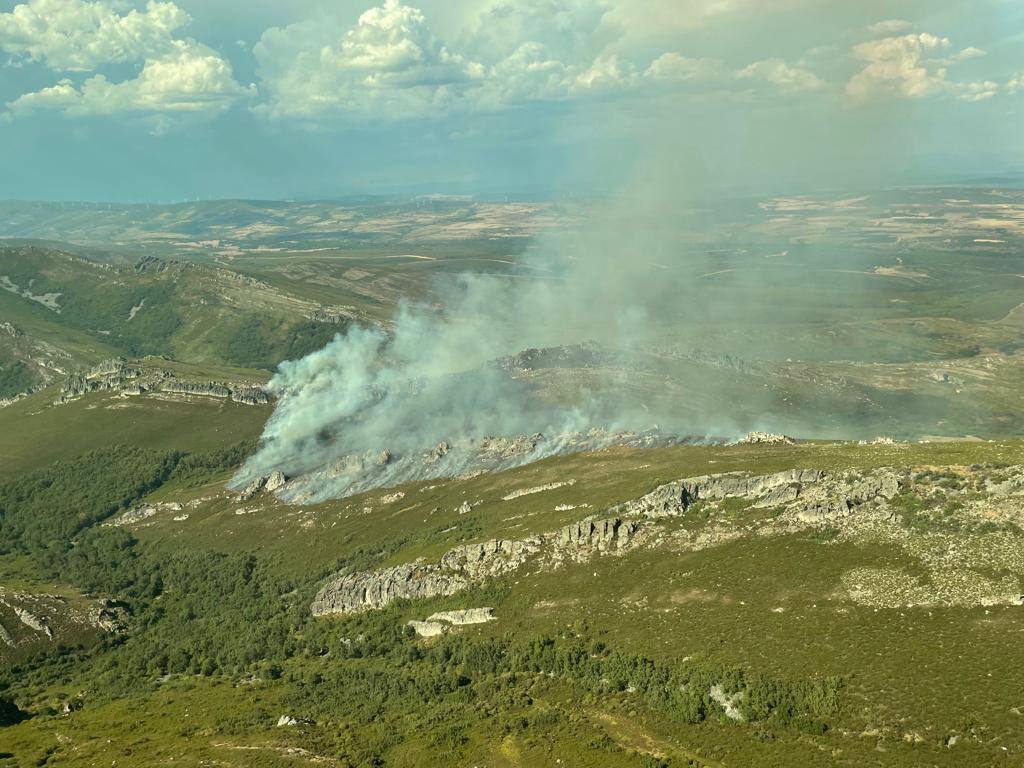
(769, 490)
(249, 396)
(601, 535)
(466, 565)
(439, 623)
(811, 494)
(843, 494)
(34, 623)
(464, 616)
(192, 388)
(428, 628)
(272, 482)
(275, 481)
(117, 375)
(848, 504)
(111, 375)
(728, 703)
(375, 589)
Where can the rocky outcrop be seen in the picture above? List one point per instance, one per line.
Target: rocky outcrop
(270, 483)
(807, 497)
(33, 622)
(439, 623)
(468, 564)
(275, 481)
(337, 315)
(245, 394)
(601, 535)
(249, 396)
(764, 438)
(428, 628)
(111, 375)
(844, 493)
(464, 616)
(767, 490)
(208, 389)
(118, 375)
(366, 590)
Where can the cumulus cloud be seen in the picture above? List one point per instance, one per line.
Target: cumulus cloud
(391, 58)
(177, 76)
(78, 36)
(391, 65)
(189, 79)
(674, 67)
(1015, 84)
(785, 77)
(913, 66)
(567, 30)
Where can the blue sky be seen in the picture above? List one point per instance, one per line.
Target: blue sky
(183, 99)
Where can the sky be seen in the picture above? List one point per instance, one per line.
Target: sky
(170, 100)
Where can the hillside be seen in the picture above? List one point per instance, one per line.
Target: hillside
(64, 313)
(671, 596)
(784, 621)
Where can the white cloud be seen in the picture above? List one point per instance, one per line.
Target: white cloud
(967, 53)
(784, 76)
(390, 60)
(177, 76)
(568, 30)
(911, 66)
(390, 64)
(978, 91)
(189, 79)
(889, 27)
(1015, 84)
(78, 36)
(673, 67)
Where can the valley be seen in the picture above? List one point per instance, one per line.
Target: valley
(848, 593)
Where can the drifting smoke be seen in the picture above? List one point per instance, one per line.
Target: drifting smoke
(375, 408)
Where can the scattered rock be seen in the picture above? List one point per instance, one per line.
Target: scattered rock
(536, 489)
(728, 702)
(764, 438)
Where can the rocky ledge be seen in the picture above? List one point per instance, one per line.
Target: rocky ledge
(861, 505)
(119, 376)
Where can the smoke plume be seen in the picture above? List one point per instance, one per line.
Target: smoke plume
(368, 409)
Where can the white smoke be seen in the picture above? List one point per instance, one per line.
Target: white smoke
(363, 411)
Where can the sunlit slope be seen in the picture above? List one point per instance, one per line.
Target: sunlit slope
(190, 313)
(868, 680)
(34, 432)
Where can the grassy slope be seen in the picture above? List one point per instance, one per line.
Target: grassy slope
(402, 530)
(921, 673)
(33, 434)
